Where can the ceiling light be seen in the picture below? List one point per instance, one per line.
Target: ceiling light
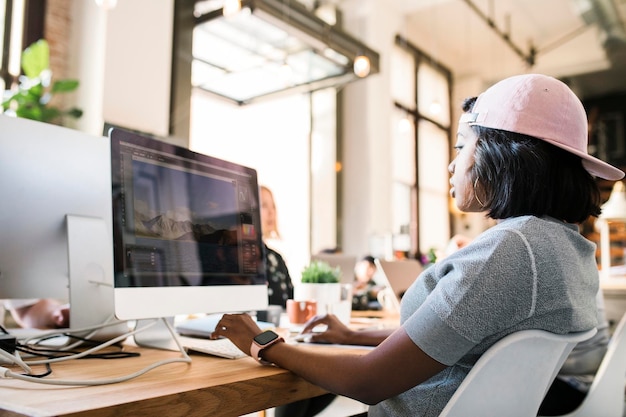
(231, 7)
(362, 66)
(239, 57)
(404, 125)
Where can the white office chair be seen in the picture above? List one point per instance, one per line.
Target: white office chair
(606, 394)
(512, 377)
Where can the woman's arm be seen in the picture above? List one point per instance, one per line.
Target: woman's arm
(393, 367)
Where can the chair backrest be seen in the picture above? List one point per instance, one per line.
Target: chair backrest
(606, 393)
(512, 376)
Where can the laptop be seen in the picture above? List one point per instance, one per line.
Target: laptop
(400, 274)
(345, 263)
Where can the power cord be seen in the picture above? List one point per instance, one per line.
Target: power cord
(48, 352)
(25, 365)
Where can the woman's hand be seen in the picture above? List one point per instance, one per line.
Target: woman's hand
(337, 332)
(239, 328)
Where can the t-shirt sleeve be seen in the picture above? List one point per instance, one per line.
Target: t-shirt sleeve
(486, 288)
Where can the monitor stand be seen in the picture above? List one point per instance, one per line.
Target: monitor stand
(157, 335)
(90, 253)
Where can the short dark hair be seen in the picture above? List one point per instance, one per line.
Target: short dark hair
(517, 175)
(369, 259)
(520, 174)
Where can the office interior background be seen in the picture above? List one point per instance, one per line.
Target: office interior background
(359, 165)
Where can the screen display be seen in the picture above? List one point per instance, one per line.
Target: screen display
(181, 218)
(265, 337)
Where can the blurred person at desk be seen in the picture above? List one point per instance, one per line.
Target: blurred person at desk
(35, 313)
(280, 289)
(365, 288)
(521, 159)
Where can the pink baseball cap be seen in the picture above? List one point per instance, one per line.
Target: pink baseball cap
(543, 107)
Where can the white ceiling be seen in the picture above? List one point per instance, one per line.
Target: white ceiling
(567, 47)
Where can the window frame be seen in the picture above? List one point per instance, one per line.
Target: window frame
(415, 116)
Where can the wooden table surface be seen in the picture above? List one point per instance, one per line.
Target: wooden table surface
(209, 386)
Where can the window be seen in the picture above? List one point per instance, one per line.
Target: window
(22, 24)
(290, 140)
(421, 148)
(12, 14)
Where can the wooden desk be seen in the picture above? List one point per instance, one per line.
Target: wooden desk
(378, 314)
(363, 318)
(207, 387)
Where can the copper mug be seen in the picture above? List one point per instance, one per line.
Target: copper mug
(301, 311)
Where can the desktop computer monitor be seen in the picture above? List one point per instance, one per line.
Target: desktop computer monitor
(57, 227)
(186, 231)
(55, 219)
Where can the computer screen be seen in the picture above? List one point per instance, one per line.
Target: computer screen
(55, 218)
(186, 231)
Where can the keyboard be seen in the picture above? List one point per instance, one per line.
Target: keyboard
(223, 348)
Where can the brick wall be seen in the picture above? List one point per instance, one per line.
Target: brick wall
(57, 33)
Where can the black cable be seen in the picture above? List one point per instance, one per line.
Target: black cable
(57, 353)
(48, 372)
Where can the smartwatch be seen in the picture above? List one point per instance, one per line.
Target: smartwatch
(263, 341)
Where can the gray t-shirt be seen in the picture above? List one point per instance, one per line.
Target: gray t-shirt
(523, 273)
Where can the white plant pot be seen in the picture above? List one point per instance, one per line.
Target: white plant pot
(326, 295)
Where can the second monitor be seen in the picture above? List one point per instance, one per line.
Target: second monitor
(55, 218)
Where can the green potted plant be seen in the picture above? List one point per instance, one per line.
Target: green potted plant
(35, 91)
(319, 272)
(320, 282)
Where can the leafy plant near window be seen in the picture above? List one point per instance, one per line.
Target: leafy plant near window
(319, 272)
(35, 91)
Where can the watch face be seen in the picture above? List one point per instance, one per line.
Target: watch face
(265, 337)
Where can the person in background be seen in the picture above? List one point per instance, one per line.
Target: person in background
(44, 313)
(280, 289)
(522, 160)
(364, 288)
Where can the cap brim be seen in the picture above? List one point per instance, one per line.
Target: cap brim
(592, 164)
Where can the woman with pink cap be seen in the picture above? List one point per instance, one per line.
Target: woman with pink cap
(521, 158)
